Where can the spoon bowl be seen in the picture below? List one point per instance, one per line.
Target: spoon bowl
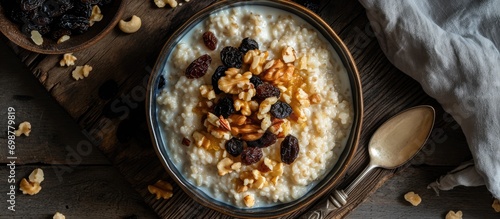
(394, 143)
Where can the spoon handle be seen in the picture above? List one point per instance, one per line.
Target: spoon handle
(336, 199)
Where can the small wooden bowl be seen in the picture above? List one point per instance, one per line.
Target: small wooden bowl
(112, 14)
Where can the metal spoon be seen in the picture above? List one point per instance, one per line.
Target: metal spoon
(393, 144)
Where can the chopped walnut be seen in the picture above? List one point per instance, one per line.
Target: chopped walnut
(302, 63)
(68, 60)
(249, 200)
(247, 132)
(58, 215)
(63, 39)
(207, 91)
(453, 215)
(30, 188)
(302, 97)
(234, 82)
(96, 15)
(256, 59)
(236, 119)
(265, 106)
(413, 198)
(81, 72)
(224, 166)
(276, 72)
(215, 128)
(36, 37)
(247, 94)
(288, 54)
(245, 107)
(161, 189)
(24, 128)
(496, 205)
(224, 123)
(36, 176)
(266, 122)
(201, 140)
(236, 166)
(275, 127)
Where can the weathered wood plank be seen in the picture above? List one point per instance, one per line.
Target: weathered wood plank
(50, 142)
(86, 192)
(388, 201)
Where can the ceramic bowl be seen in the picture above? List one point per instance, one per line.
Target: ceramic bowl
(321, 186)
(112, 14)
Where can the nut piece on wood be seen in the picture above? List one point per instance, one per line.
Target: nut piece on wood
(24, 128)
(453, 215)
(36, 176)
(161, 189)
(496, 205)
(81, 72)
(32, 188)
(68, 60)
(59, 216)
(131, 26)
(413, 198)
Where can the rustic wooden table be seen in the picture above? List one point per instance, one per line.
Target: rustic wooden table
(98, 163)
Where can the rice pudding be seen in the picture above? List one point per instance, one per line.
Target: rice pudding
(315, 107)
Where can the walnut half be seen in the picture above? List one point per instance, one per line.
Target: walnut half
(161, 189)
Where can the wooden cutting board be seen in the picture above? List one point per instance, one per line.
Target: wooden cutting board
(109, 104)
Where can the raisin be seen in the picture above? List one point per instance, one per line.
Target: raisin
(234, 147)
(224, 107)
(231, 57)
(256, 81)
(28, 27)
(266, 140)
(42, 20)
(251, 155)
(56, 8)
(93, 2)
(83, 9)
(59, 33)
(186, 142)
(248, 44)
(281, 110)
(289, 149)
(266, 90)
(74, 23)
(104, 2)
(219, 73)
(28, 5)
(210, 40)
(198, 67)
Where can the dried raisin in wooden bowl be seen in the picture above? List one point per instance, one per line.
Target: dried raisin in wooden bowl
(172, 88)
(112, 13)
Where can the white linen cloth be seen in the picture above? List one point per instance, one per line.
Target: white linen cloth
(452, 49)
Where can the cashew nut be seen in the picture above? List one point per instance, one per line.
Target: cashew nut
(131, 26)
